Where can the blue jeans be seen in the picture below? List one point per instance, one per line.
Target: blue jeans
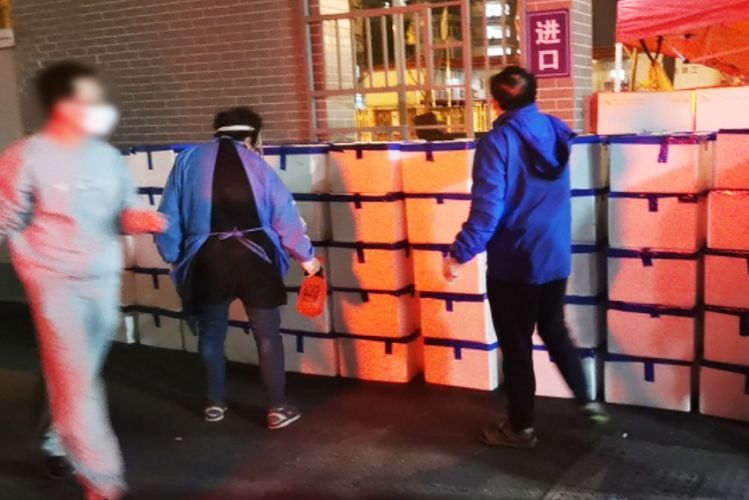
(213, 325)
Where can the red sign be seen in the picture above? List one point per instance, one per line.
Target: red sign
(549, 43)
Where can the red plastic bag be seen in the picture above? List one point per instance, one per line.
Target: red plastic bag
(312, 295)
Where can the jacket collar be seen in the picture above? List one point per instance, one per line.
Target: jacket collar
(509, 115)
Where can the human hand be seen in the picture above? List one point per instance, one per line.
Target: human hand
(312, 267)
(451, 269)
(137, 221)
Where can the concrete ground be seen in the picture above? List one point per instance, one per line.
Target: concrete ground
(357, 440)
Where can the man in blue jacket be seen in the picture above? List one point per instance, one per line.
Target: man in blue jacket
(521, 216)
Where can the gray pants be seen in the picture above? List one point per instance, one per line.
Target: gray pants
(76, 320)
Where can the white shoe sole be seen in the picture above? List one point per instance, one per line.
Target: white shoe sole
(285, 423)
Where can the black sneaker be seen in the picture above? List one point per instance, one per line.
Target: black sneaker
(58, 467)
(214, 413)
(281, 417)
(502, 435)
(596, 413)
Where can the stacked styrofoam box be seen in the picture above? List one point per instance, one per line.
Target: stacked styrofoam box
(376, 311)
(460, 344)
(724, 374)
(657, 214)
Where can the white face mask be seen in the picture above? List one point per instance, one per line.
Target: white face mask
(100, 120)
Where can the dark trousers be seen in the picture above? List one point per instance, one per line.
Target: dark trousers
(516, 311)
(213, 325)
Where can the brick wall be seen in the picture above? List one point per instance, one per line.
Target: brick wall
(176, 62)
(565, 97)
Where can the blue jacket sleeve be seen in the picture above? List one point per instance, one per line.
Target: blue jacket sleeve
(487, 202)
(169, 243)
(286, 221)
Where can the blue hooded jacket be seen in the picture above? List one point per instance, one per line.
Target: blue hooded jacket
(520, 211)
(187, 203)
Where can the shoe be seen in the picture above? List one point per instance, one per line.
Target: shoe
(214, 413)
(281, 417)
(596, 413)
(503, 436)
(58, 467)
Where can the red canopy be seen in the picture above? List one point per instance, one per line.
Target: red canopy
(710, 32)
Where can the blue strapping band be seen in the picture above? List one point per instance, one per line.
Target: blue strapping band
(409, 290)
(661, 139)
(649, 371)
(358, 199)
(646, 254)
(282, 160)
(389, 341)
(580, 300)
(653, 311)
(157, 312)
(299, 344)
(440, 197)
(739, 370)
(437, 146)
(579, 193)
(286, 150)
(589, 139)
(151, 192)
(460, 344)
(624, 358)
(680, 197)
(582, 352)
(311, 197)
(743, 315)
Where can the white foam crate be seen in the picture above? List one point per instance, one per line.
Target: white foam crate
(154, 288)
(640, 113)
(150, 165)
(303, 168)
(662, 221)
(588, 278)
(656, 383)
(731, 167)
(381, 359)
(652, 331)
(365, 168)
(457, 317)
(376, 313)
(128, 293)
(661, 164)
(160, 328)
(128, 251)
(147, 253)
(296, 276)
(304, 352)
(721, 108)
(589, 162)
(138, 164)
(727, 279)
(456, 363)
(728, 216)
(380, 219)
(150, 197)
(370, 266)
(648, 277)
(443, 167)
(586, 321)
(126, 328)
(315, 212)
(724, 390)
(727, 335)
(436, 218)
(550, 383)
(589, 216)
(428, 260)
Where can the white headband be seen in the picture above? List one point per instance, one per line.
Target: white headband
(236, 128)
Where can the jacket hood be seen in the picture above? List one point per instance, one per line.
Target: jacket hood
(547, 139)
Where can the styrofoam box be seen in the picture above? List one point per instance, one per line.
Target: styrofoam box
(147, 253)
(589, 162)
(652, 331)
(154, 288)
(126, 328)
(379, 219)
(728, 218)
(727, 335)
(296, 276)
(640, 113)
(128, 251)
(457, 363)
(150, 165)
(370, 266)
(315, 212)
(428, 260)
(720, 108)
(304, 352)
(724, 390)
(586, 321)
(437, 167)
(436, 218)
(657, 383)
(150, 197)
(647, 277)
(588, 278)
(302, 168)
(128, 294)
(457, 317)
(727, 278)
(381, 359)
(365, 168)
(291, 319)
(662, 221)
(661, 164)
(589, 215)
(138, 163)
(731, 167)
(376, 313)
(550, 383)
(160, 328)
